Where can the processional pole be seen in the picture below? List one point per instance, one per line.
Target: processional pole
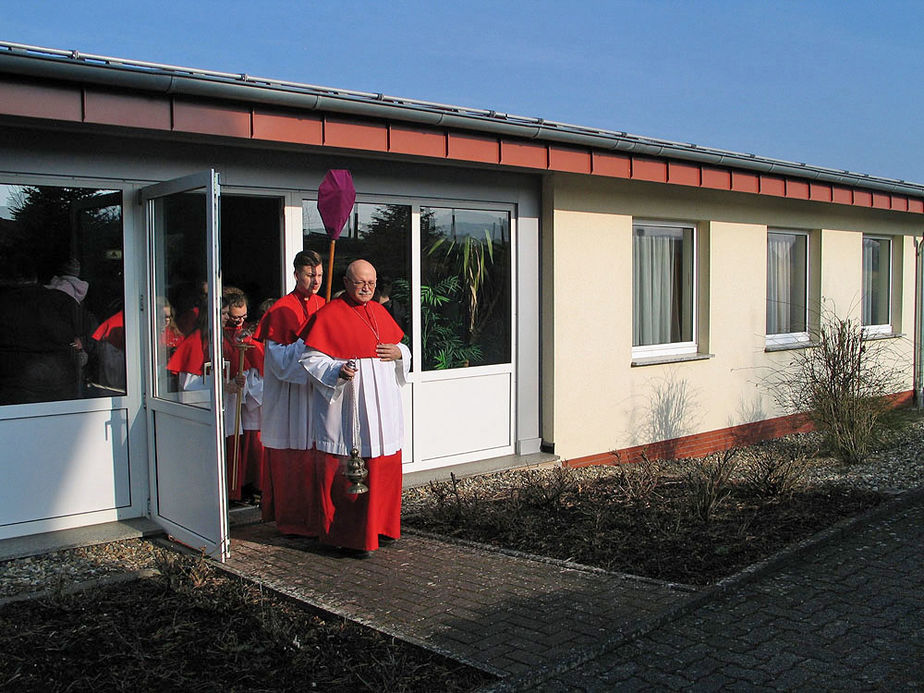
(336, 197)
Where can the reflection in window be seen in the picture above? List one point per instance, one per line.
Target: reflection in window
(61, 294)
(181, 291)
(877, 282)
(379, 233)
(465, 287)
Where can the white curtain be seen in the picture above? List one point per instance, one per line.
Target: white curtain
(779, 282)
(657, 264)
(876, 278)
(787, 258)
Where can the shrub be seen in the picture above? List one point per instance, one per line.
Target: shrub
(841, 383)
(637, 482)
(708, 482)
(776, 468)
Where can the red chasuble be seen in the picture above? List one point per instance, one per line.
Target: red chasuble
(112, 330)
(189, 355)
(343, 329)
(284, 322)
(253, 357)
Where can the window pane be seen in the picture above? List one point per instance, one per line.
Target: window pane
(379, 233)
(662, 287)
(787, 271)
(877, 253)
(182, 363)
(465, 287)
(61, 294)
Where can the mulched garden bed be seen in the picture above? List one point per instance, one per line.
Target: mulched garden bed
(604, 517)
(195, 629)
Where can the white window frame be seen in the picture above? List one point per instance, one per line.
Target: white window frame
(886, 327)
(793, 338)
(673, 349)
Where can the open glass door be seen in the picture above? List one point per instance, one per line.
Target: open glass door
(186, 440)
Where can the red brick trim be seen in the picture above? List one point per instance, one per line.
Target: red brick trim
(33, 98)
(700, 444)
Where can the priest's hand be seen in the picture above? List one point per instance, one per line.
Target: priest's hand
(388, 352)
(347, 371)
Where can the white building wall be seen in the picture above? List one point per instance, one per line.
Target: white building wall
(595, 400)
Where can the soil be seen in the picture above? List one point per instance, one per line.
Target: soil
(192, 628)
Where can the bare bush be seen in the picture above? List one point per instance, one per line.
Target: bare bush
(543, 490)
(776, 467)
(637, 482)
(842, 382)
(708, 482)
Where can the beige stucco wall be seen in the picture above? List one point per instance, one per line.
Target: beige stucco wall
(594, 399)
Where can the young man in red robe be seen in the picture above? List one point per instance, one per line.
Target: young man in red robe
(289, 485)
(187, 362)
(358, 365)
(235, 340)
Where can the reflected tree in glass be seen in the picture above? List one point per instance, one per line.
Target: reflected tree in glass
(465, 287)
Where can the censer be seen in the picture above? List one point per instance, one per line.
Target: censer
(355, 470)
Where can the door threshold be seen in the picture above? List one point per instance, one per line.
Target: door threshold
(104, 533)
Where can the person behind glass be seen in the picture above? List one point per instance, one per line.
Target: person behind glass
(41, 354)
(170, 335)
(67, 280)
(394, 308)
(357, 364)
(109, 338)
(289, 487)
(248, 382)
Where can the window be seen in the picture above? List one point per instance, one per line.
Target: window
(61, 294)
(465, 287)
(380, 233)
(787, 287)
(663, 291)
(877, 284)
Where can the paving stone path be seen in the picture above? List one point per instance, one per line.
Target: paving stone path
(849, 616)
(502, 613)
(842, 613)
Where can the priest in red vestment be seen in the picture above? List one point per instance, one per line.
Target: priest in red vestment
(358, 365)
(289, 484)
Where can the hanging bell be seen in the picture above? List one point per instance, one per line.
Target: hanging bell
(355, 472)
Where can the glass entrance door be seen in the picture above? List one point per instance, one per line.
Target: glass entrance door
(186, 441)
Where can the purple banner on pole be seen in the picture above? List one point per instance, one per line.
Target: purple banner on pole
(336, 196)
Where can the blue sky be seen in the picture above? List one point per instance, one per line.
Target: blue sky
(828, 82)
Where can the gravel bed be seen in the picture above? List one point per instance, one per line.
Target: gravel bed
(899, 468)
(60, 569)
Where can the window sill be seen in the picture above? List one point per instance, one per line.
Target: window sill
(870, 336)
(678, 358)
(790, 346)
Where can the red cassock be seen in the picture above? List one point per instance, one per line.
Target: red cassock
(289, 483)
(189, 357)
(251, 458)
(344, 330)
(112, 330)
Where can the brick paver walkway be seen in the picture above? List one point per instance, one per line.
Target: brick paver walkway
(848, 616)
(844, 613)
(505, 614)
